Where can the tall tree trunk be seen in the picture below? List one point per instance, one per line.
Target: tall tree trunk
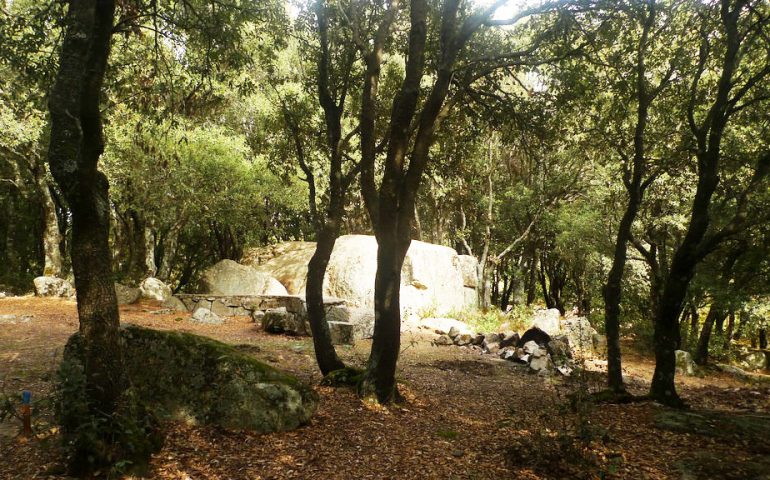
(532, 277)
(762, 334)
(694, 318)
(612, 296)
(633, 180)
(702, 350)
(380, 377)
(170, 243)
(75, 147)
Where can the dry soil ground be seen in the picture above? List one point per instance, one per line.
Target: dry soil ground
(467, 416)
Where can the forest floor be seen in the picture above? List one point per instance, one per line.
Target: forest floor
(466, 416)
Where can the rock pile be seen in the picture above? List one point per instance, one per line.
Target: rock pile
(550, 344)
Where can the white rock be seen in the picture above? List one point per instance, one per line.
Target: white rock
(231, 278)
(684, 363)
(444, 325)
(531, 347)
(539, 364)
(361, 318)
(53, 287)
(204, 315)
(431, 279)
(547, 321)
(153, 289)
(579, 332)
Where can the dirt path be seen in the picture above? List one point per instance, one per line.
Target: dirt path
(467, 416)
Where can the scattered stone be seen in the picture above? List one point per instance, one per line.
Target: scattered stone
(204, 315)
(442, 326)
(684, 363)
(531, 347)
(53, 287)
(453, 332)
(442, 340)
(457, 453)
(478, 339)
(8, 319)
(231, 278)
(342, 333)
(490, 347)
(507, 353)
(127, 295)
(175, 304)
(280, 320)
(257, 316)
(509, 339)
(463, 339)
(540, 364)
(752, 361)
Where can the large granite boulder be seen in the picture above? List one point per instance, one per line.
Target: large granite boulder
(286, 262)
(154, 289)
(191, 378)
(432, 277)
(361, 319)
(580, 333)
(231, 278)
(53, 287)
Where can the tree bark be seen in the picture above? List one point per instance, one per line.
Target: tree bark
(326, 355)
(633, 180)
(702, 350)
(75, 147)
(691, 249)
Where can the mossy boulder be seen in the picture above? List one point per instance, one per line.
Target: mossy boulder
(186, 377)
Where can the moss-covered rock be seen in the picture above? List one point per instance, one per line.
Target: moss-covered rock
(196, 379)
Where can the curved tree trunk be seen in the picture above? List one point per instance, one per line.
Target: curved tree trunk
(75, 147)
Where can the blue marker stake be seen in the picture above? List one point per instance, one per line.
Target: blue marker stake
(26, 412)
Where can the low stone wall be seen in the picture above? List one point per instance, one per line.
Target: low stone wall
(283, 314)
(247, 305)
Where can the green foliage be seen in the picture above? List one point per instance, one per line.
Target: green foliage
(493, 320)
(348, 376)
(116, 443)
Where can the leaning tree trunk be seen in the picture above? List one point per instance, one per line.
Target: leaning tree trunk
(75, 147)
(326, 355)
(612, 296)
